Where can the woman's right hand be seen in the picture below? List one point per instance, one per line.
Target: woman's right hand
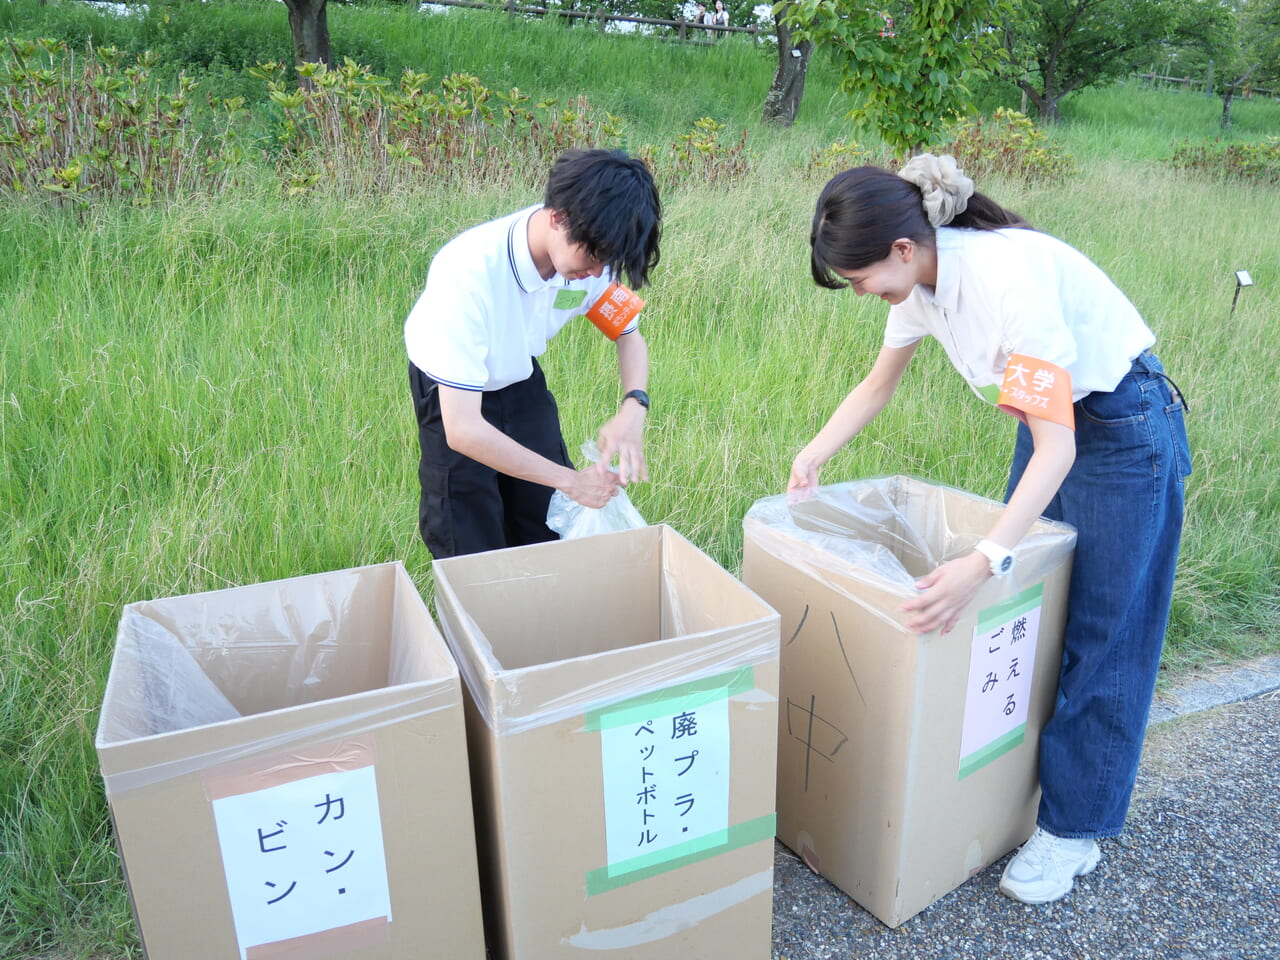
(803, 481)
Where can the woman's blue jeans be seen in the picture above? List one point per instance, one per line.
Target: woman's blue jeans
(1124, 496)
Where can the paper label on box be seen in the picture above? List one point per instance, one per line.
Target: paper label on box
(666, 760)
(303, 857)
(1001, 665)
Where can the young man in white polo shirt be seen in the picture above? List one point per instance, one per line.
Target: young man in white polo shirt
(488, 427)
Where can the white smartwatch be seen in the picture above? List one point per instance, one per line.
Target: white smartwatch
(1000, 558)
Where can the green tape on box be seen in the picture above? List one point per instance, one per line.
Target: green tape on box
(1023, 602)
(676, 699)
(681, 854)
(980, 758)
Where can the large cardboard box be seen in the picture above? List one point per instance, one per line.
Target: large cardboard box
(906, 762)
(286, 770)
(622, 721)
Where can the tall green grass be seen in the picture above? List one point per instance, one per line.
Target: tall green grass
(1139, 122)
(213, 392)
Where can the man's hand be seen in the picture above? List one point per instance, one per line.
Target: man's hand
(593, 487)
(623, 437)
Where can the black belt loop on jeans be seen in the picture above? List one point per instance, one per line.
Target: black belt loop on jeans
(1141, 363)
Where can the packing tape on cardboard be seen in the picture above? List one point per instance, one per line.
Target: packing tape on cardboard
(515, 714)
(674, 918)
(739, 835)
(345, 939)
(754, 647)
(260, 773)
(682, 696)
(347, 726)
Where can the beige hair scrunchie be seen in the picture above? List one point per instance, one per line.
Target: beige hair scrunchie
(945, 188)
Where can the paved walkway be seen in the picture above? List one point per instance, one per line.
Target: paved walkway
(1196, 876)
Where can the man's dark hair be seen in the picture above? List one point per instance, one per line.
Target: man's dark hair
(610, 205)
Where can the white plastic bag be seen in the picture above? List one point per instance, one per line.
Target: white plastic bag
(571, 519)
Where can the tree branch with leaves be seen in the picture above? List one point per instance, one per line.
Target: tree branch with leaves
(909, 66)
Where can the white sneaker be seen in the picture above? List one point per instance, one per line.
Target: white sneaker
(1046, 867)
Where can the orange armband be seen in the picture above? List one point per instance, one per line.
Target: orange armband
(614, 310)
(1037, 387)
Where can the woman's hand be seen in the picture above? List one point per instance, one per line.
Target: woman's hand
(804, 476)
(945, 593)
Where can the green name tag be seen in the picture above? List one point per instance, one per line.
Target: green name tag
(568, 299)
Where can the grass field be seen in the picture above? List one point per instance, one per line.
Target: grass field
(213, 392)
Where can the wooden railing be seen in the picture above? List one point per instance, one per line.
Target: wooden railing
(684, 29)
(1244, 90)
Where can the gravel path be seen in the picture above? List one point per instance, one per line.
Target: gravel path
(1196, 876)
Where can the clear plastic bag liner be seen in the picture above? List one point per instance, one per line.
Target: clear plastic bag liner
(571, 519)
(514, 700)
(888, 532)
(222, 657)
(156, 686)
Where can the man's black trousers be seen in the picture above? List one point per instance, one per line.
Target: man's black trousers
(467, 507)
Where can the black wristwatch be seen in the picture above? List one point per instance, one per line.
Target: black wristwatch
(639, 396)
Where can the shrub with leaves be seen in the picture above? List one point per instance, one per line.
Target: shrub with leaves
(701, 155)
(1255, 162)
(1007, 144)
(356, 131)
(99, 125)
(843, 154)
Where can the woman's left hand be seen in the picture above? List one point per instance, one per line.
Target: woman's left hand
(945, 593)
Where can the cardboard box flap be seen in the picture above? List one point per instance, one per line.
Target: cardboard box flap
(530, 659)
(209, 678)
(272, 645)
(887, 532)
(520, 700)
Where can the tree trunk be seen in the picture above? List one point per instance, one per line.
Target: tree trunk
(783, 102)
(1229, 93)
(309, 24)
(1046, 103)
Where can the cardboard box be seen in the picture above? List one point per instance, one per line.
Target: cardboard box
(286, 770)
(622, 723)
(906, 763)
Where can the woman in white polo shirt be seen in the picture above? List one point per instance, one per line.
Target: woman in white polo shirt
(1041, 332)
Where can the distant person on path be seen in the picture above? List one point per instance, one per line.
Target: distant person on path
(1041, 332)
(488, 427)
(719, 16)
